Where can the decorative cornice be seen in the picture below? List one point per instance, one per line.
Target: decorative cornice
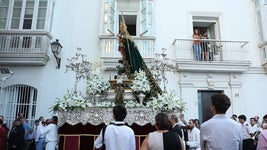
(213, 66)
(24, 59)
(256, 70)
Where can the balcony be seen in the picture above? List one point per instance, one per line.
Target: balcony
(110, 54)
(24, 47)
(263, 48)
(223, 56)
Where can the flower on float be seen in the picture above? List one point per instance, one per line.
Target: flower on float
(70, 102)
(96, 84)
(140, 82)
(167, 102)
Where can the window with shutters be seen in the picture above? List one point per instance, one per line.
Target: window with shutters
(137, 15)
(3, 13)
(24, 14)
(259, 19)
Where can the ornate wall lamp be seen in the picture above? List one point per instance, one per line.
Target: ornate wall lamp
(5, 73)
(56, 49)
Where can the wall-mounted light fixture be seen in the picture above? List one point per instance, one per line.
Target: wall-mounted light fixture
(5, 73)
(56, 49)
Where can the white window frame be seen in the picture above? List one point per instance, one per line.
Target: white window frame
(200, 17)
(146, 25)
(139, 30)
(47, 23)
(5, 17)
(134, 13)
(109, 17)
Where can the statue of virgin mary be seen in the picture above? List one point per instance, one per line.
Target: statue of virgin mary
(133, 61)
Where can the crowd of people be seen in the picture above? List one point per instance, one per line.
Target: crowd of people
(175, 133)
(44, 134)
(172, 132)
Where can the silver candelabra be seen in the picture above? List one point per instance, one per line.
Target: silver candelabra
(159, 65)
(80, 66)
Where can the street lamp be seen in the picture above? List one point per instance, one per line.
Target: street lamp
(56, 49)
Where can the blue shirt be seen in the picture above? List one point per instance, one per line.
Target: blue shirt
(221, 133)
(27, 131)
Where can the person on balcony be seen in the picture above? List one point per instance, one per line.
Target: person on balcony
(197, 45)
(205, 46)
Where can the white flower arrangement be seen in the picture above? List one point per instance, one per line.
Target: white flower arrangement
(132, 104)
(96, 84)
(140, 82)
(70, 102)
(167, 102)
(105, 104)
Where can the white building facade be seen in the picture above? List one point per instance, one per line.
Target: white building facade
(237, 32)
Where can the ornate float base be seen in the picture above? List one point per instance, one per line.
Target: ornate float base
(79, 129)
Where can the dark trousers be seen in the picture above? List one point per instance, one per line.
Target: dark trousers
(248, 144)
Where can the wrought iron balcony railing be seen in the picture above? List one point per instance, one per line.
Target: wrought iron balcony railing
(216, 50)
(222, 56)
(24, 47)
(109, 47)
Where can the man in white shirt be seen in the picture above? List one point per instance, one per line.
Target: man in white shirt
(39, 138)
(51, 133)
(248, 142)
(220, 132)
(117, 135)
(257, 121)
(193, 136)
(254, 126)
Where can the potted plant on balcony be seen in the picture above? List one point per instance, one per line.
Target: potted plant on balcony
(140, 85)
(215, 51)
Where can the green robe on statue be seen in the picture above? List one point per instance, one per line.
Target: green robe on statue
(133, 61)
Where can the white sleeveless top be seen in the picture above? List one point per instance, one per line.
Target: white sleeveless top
(155, 141)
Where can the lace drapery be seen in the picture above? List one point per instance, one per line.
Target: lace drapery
(96, 116)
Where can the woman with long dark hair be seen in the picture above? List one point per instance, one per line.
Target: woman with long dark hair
(162, 138)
